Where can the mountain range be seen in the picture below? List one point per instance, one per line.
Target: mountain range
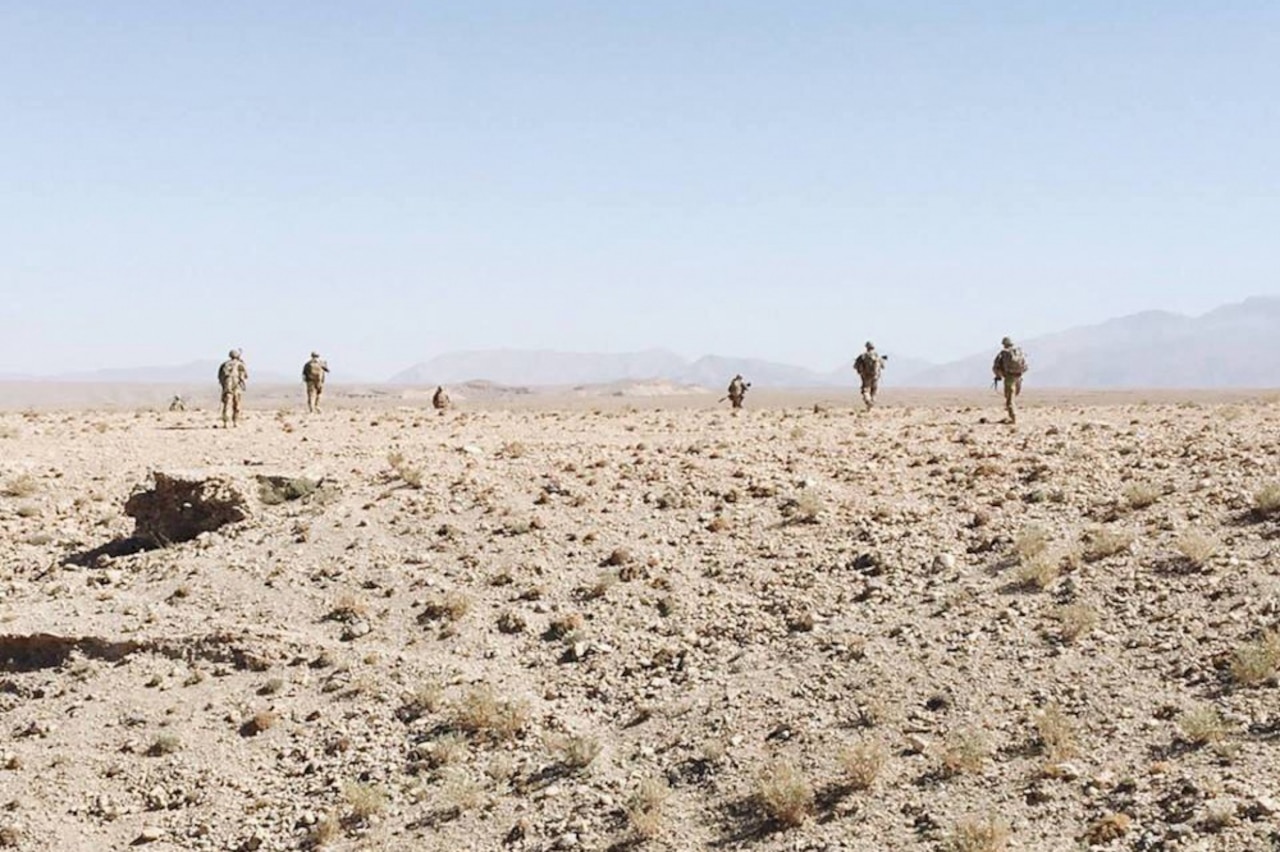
(1233, 346)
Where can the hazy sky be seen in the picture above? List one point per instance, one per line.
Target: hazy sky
(389, 181)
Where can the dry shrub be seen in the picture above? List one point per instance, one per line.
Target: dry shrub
(1196, 547)
(600, 588)
(785, 794)
(1103, 542)
(408, 474)
(348, 607)
(1038, 572)
(325, 831)
(512, 450)
(565, 627)
(645, 806)
(1075, 620)
(164, 744)
(263, 720)
(1057, 734)
(1141, 495)
(449, 606)
(482, 714)
(24, 485)
(863, 762)
(980, 835)
(1256, 662)
(1108, 828)
(573, 751)
(1032, 542)
(1203, 724)
(460, 791)
(1266, 500)
(965, 751)
(364, 800)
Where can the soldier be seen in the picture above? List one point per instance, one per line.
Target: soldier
(232, 376)
(738, 391)
(1009, 366)
(313, 373)
(176, 404)
(440, 400)
(869, 365)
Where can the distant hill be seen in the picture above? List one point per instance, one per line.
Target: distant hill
(548, 368)
(1234, 346)
(194, 372)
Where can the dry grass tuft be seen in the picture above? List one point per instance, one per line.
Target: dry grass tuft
(980, 835)
(348, 607)
(482, 714)
(863, 762)
(449, 606)
(785, 794)
(1203, 724)
(644, 808)
(164, 744)
(1075, 620)
(1108, 828)
(263, 720)
(1266, 500)
(1104, 542)
(1141, 495)
(408, 474)
(1257, 662)
(364, 800)
(1031, 543)
(573, 751)
(24, 485)
(965, 752)
(1038, 572)
(1196, 547)
(1057, 734)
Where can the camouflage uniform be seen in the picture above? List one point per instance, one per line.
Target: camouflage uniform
(1008, 367)
(869, 365)
(176, 404)
(737, 391)
(440, 399)
(313, 373)
(232, 376)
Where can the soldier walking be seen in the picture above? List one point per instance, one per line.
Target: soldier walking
(232, 376)
(738, 391)
(440, 399)
(869, 365)
(1009, 366)
(313, 373)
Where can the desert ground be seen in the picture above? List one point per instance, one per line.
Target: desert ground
(632, 620)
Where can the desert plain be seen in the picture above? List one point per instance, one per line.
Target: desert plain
(632, 620)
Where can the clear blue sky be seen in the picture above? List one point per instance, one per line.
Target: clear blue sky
(389, 181)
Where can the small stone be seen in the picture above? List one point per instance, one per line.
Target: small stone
(917, 744)
(355, 630)
(149, 834)
(944, 562)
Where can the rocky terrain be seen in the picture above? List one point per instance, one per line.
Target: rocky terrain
(634, 626)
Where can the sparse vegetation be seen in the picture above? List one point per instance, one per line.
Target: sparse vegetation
(965, 752)
(645, 807)
(23, 485)
(1109, 828)
(449, 606)
(980, 835)
(1057, 734)
(1141, 495)
(363, 800)
(1266, 500)
(410, 475)
(863, 762)
(1257, 661)
(1038, 572)
(1075, 621)
(482, 714)
(1196, 548)
(1105, 542)
(785, 794)
(573, 751)
(164, 744)
(1031, 543)
(1202, 725)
